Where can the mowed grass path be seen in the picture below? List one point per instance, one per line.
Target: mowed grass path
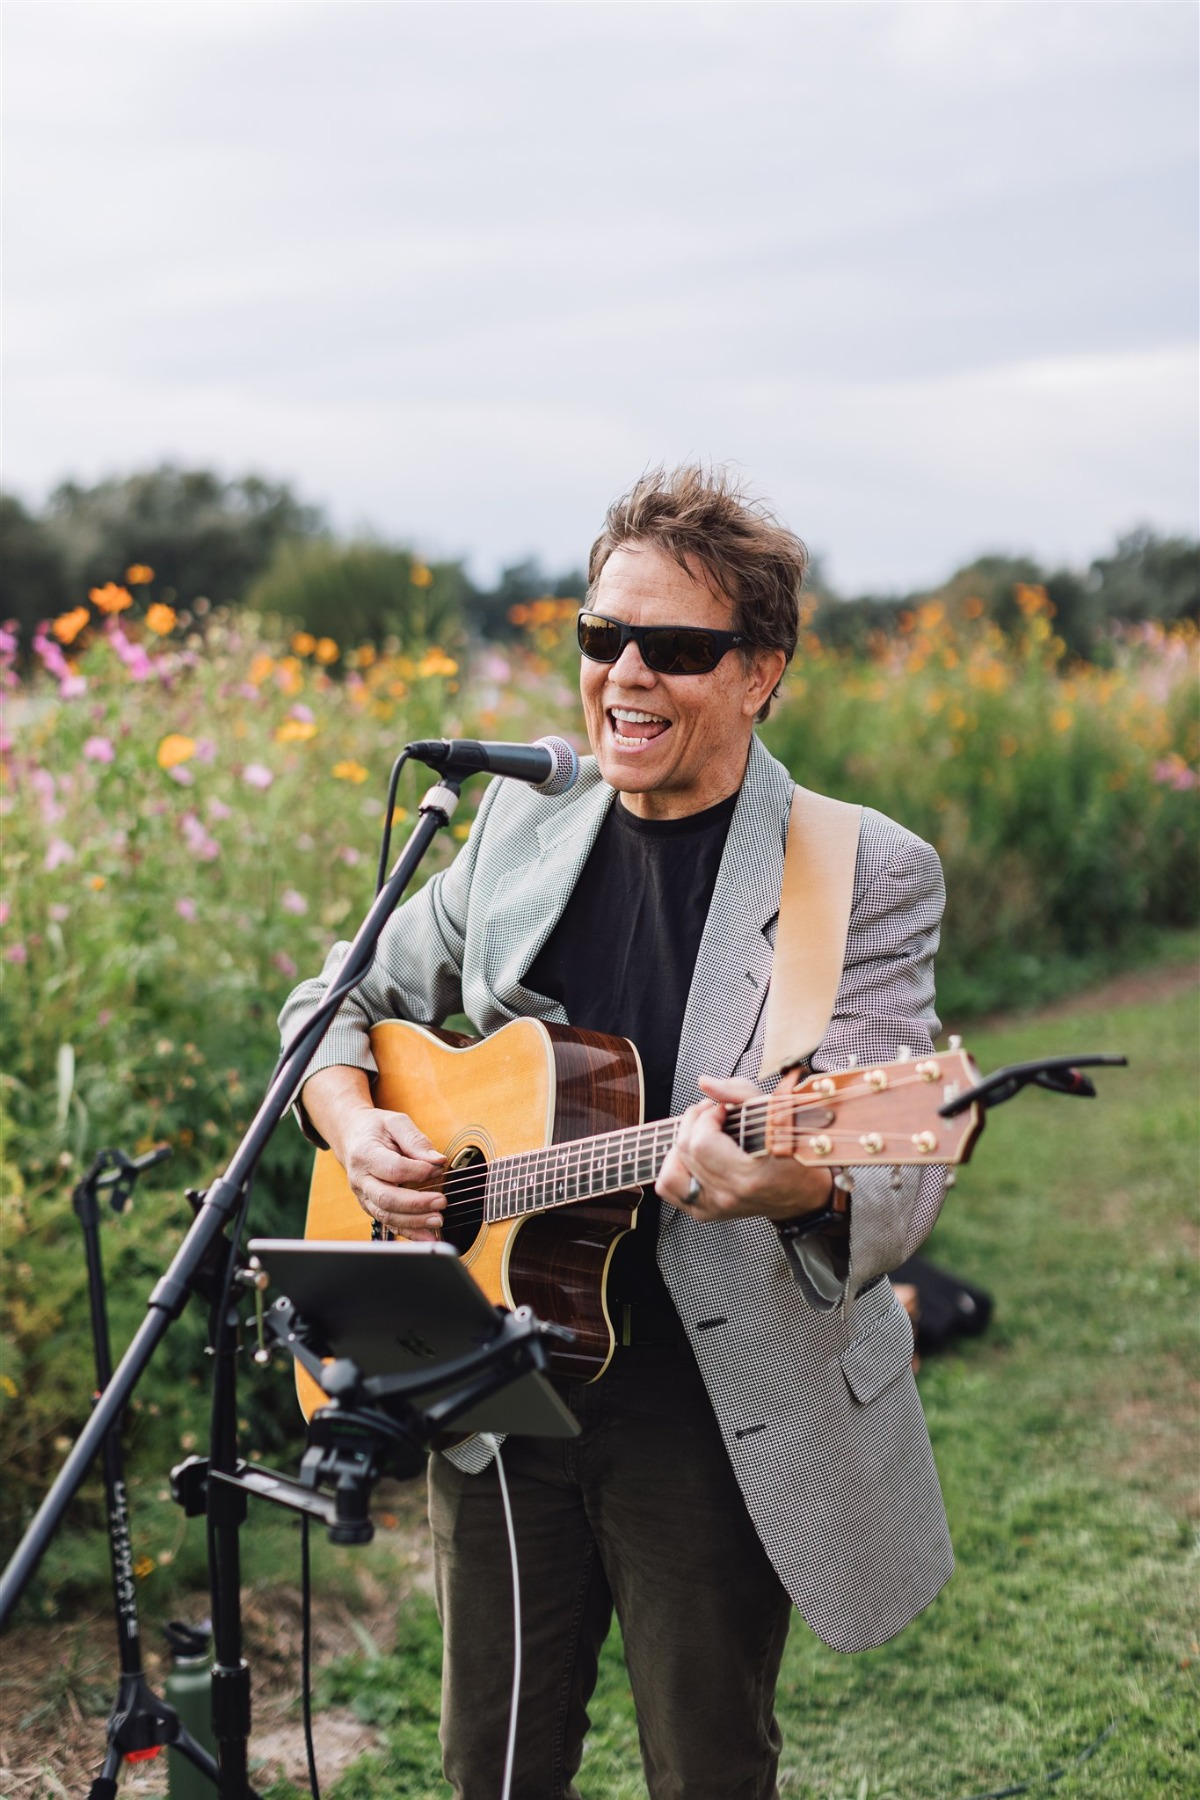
(1067, 1444)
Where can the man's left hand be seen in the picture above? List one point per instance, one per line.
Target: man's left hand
(734, 1185)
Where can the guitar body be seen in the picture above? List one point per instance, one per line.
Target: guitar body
(527, 1087)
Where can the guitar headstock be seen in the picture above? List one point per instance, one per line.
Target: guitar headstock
(882, 1113)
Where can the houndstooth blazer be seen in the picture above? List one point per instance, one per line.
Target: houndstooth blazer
(809, 1375)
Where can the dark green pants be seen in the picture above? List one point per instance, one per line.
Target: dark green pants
(642, 1513)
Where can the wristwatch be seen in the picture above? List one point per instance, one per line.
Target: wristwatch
(835, 1212)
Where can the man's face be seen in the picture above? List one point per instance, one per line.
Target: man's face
(670, 744)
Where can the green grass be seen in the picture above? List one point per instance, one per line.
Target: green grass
(1066, 1440)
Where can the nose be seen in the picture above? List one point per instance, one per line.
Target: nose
(629, 670)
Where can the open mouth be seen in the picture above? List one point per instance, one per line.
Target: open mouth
(634, 730)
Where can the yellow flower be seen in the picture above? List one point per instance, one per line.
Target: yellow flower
(68, 626)
(295, 731)
(175, 749)
(160, 618)
(1063, 718)
(97, 882)
(436, 662)
(399, 814)
(110, 598)
(260, 668)
(145, 1565)
(461, 831)
(9, 1385)
(350, 771)
(1033, 600)
(420, 576)
(304, 643)
(326, 650)
(973, 607)
(138, 574)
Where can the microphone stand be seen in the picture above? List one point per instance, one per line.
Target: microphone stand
(200, 1263)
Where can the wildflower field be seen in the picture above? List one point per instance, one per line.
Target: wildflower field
(192, 806)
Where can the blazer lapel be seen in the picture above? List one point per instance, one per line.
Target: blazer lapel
(528, 902)
(733, 967)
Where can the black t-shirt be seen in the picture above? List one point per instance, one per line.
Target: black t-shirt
(621, 960)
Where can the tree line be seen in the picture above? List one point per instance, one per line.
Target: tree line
(250, 540)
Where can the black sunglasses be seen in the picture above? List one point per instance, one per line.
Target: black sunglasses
(667, 649)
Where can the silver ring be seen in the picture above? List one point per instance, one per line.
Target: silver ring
(694, 1191)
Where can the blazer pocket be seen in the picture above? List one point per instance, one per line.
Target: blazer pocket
(874, 1360)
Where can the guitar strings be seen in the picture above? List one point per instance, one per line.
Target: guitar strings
(466, 1188)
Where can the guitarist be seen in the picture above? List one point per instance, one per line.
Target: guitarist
(757, 1443)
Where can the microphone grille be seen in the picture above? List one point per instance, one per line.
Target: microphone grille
(565, 772)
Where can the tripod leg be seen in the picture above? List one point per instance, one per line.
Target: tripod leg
(105, 1785)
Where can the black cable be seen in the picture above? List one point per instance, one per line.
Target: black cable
(306, 1655)
(389, 809)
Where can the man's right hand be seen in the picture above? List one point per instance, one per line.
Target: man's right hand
(393, 1169)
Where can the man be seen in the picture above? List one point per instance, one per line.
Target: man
(757, 1440)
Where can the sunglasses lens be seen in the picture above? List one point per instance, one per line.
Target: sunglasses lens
(599, 639)
(674, 652)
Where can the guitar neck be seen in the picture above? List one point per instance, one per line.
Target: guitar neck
(588, 1168)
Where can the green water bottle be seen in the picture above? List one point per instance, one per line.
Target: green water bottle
(189, 1691)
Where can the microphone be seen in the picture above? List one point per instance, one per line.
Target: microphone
(550, 764)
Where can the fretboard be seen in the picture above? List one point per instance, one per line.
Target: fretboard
(588, 1168)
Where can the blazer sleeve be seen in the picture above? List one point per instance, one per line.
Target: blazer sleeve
(416, 973)
(885, 1004)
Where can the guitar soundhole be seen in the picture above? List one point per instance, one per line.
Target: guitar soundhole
(464, 1190)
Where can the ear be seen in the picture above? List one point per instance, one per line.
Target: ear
(762, 677)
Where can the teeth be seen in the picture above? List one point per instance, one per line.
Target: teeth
(637, 718)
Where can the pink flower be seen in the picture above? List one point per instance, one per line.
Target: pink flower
(292, 902)
(59, 913)
(1173, 772)
(99, 749)
(187, 909)
(16, 953)
(304, 713)
(284, 964)
(44, 786)
(349, 855)
(58, 852)
(201, 845)
(104, 1018)
(257, 775)
(217, 809)
(8, 642)
(4, 912)
(206, 750)
(72, 687)
(183, 775)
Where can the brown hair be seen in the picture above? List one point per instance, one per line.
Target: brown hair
(747, 556)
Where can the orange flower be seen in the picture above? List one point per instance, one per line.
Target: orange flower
(175, 749)
(160, 618)
(110, 598)
(97, 882)
(420, 576)
(436, 662)
(260, 668)
(295, 731)
(138, 574)
(304, 643)
(326, 650)
(68, 626)
(350, 771)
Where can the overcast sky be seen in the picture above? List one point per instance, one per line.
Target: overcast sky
(925, 273)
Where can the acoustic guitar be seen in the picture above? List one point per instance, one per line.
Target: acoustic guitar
(547, 1157)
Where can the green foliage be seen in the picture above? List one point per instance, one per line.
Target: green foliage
(34, 583)
(201, 534)
(490, 612)
(1062, 801)
(363, 593)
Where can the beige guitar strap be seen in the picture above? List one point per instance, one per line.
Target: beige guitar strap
(814, 917)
